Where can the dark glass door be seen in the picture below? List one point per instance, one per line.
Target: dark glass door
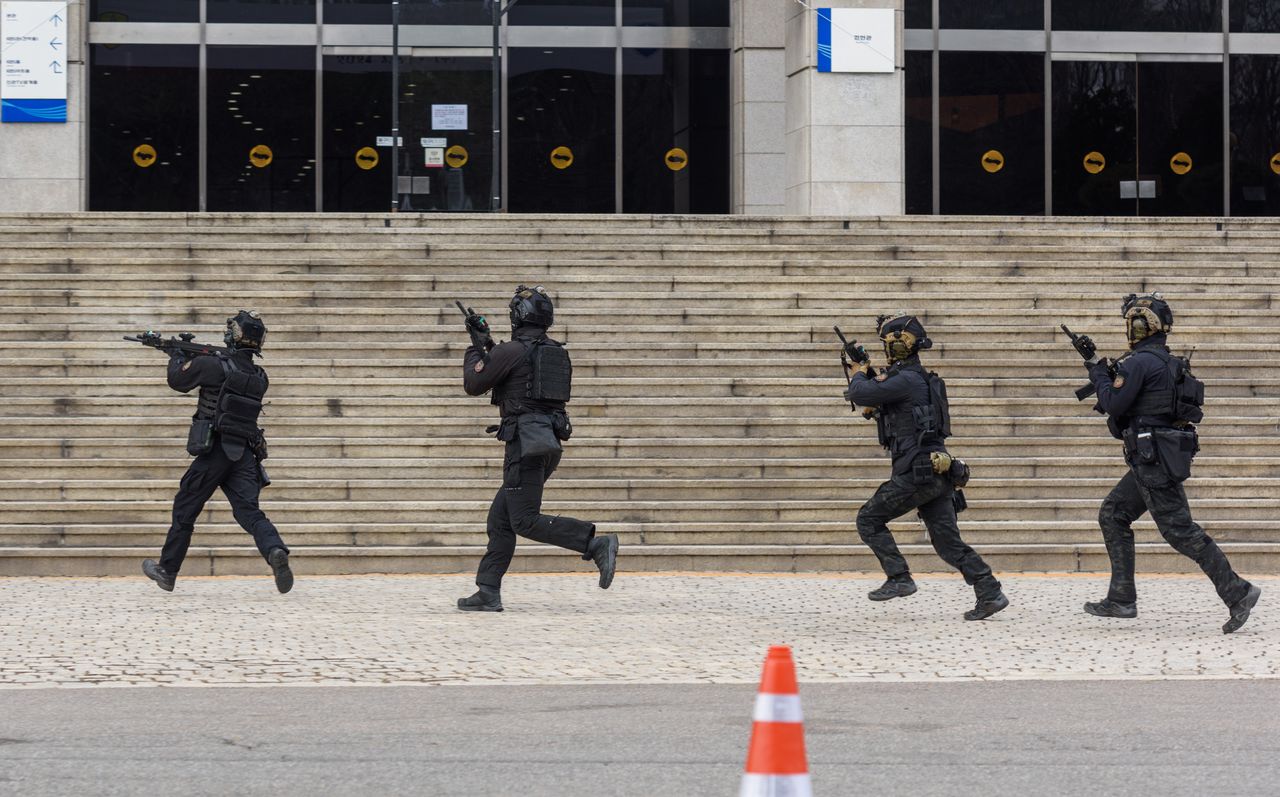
(561, 135)
(1095, 138)
(1180, 138)
(1137, 138)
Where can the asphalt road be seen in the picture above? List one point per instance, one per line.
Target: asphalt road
(1041, 738)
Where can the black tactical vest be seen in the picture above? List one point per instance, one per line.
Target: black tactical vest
(235, 405)
(1178, 398)
(541, 382)
(920, 426)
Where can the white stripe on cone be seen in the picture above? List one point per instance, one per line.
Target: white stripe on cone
(775, 786)
(777, 708)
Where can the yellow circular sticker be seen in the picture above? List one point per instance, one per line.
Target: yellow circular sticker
(367, 158)
(261, 156)
(1275, 163)
(1180, 163)
(145, 156)
(676, 159)
(456, 156)
(562, 157)
(1095, 162)
(992, 161)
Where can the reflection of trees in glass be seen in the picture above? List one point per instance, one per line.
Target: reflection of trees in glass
(1255, 16)
(1151, 15)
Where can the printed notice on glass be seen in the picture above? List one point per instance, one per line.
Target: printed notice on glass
(33, 61)
(448, 117)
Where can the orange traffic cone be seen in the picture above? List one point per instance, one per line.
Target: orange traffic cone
(776, 763)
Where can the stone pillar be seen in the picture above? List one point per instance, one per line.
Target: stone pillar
(42, 166)
(844, 131)
(759, 106)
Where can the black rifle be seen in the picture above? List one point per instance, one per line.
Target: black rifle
(183, 344)
(477, 327)
(1087, 350)
(851, 352)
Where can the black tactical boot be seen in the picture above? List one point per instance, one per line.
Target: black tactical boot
(1241, 608)
(985, 608)
(1109, 608)
(152, 570)
(603, 550)
(485, 600)
(897, 587)
(279, 561)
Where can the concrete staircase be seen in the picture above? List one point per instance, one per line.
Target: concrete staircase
(711, 434)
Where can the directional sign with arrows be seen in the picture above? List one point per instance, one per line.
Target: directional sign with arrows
(33, 85)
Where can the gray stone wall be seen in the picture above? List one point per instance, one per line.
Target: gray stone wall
(42, 166)
(758, 165)
(844, 132)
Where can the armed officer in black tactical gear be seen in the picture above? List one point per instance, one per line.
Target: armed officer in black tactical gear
(228, 447)
(913, 419)
(530, 377)
(1153, 403)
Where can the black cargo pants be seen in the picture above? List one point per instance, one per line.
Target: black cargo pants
(899, 496)
(240, 482)
(1133, 497)
(517, 510)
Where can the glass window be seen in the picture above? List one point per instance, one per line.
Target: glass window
(919, 14)
(563, 12)
(357, 109)
(412, 12)
(676, 13)
(675, 131)
(991, 110)
(262, 11)
(144, 127)
(560, 142)
(1255, 135)
(992, 14)
(1181, 16)
(1255, 16)
(919, 131)
(261, 136)
(145, 10)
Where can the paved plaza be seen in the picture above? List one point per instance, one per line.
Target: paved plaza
(647, 629)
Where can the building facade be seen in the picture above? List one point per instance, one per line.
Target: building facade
(1058, 107)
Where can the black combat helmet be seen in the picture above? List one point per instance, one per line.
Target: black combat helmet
(903, 335)
(532, 307)
(245, 330)
(1146, 315)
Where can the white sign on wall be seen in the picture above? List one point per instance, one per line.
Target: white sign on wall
(448, 117)
(856, 39)
(33, 61)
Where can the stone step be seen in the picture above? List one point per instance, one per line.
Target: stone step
(346, 559)
(171, 465)
(476, 288)
(1134, 267)
(356, 488)
(136, 388)
(133, 366)
(826, 404)
(128, 426)
(703, 510)
(631, 533)
(571, 305)
(357, 448)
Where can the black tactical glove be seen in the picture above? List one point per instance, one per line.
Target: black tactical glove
(857, 353)
(478, 329)
(1084, 347)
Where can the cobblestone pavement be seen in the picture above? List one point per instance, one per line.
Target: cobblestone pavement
(647, 629)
